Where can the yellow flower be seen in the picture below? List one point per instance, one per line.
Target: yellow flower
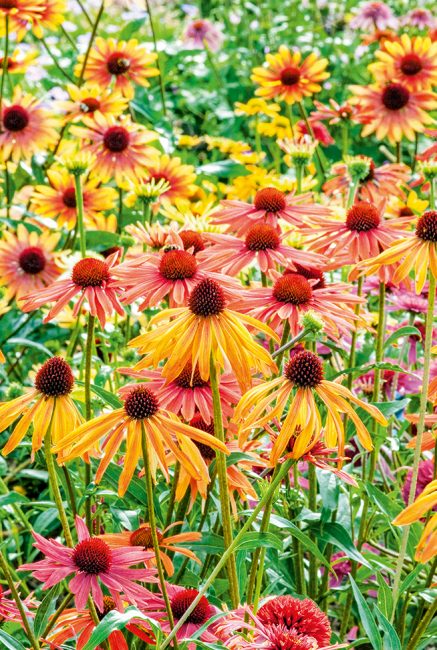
(88, 99)
(257, 106)
(410, 61)
(205, 330)
(279, 127)
(189, 141)
(20, 60)
(425, 502)
(412, 207)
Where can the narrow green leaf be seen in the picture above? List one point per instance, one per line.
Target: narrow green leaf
(391, 639)
(253, 540)
(105, 395)
(44, 610)
(336, 534)
(408, 330)
(117, 621)
(27, 343)
(9, 643)
(385, 598)
(367, 620)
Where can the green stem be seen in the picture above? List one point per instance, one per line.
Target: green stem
(158, 62)
(152, 524)
(352, 192)
(352, 356)
(29, 632)
(90, 42)
(55, 61)
(223, 484)
(311, 132)
(345, 139)
(53, 480)
(420, 430)
(172, 497)
(312, 503)
(426, 620)
(285, 468)
(88, 360)
(5, 67)
(80, 215)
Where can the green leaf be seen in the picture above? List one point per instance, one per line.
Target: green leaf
(408, 330)
(9, 643)
(27, 343)
(306, 540)
(117, 621)
(391, 639)
(253, 540)
(336, 534)
(105, 395)
(385, 598)
(12, 497)
(387, 505)
(101, 239)
(366, 617)
(128, 31)
(44, 610)
(223, 169)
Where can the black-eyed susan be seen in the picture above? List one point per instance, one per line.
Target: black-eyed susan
(180, 177)
(48, 403)
(164, 433)
(123, 63)
(417, 250)
(205, 329)
(302, 381)
(289, 78)
(88, 99)
(409, 61)
(21, 15)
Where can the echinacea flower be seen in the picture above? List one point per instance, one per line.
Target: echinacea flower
(92, 280)
(87, 99)
(168, 543)
(93, 564)
(58, 200)
(180, 600)
(425, 502)
(125, 63)
(424, 477)
(373, 16)
(205, 330)
(281, 622)
(262, 244)
(409, 61)
(26, 127)
(363, 233)
(9, 611)
(303, 379)
(417, 250)
(164, 432)
(270, 205)
(188, 392)
(294, 293)
(27, 261)
(121, 148)
(395, 111)
(420, 17)
(79, 624)
(201, 33)
(289, 78)
(378, 184)
(47, 404)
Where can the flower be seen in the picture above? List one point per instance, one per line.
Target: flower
(26, 127)
(202, 34)
(58, 201)
(289, 78)
(418, 250)
(74, 623)
(409, 61)
(94, 564)
(303, 376)
(21, 13)
(88, 99)
(179, 177)
(27, 261)
(47, 404)
(377, 184)
(263, 243)
(123, 62)
(424, 477)
(121, 148)
(257, 106)
(400, 209)
(281, 622)
(53, 15)
(19, 61)
(164, 431)
(394, 110)
(297, 292)
(92, 279)
(142, 537)
(427, 546)
(9, 610)
(270, 205)
(374, 16)
(336, 113)
(362, 234)
(188, 392)
(205, 330)
(180, 600)
(420, 17)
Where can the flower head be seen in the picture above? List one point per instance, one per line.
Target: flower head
(411, 62)
(201, 33)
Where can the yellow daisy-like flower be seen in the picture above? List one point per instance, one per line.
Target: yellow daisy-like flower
(179, 177)
(205, 330)
(257, 106)
(409, 61)
(425, 502)
(123, 62)
(164, 432)
(22, 14)
(301, 429)
(289, 78)
(19, 61)
(417, 251)
(58, 200)
(27, 127)
(189, 141)
(52, 16)
(393, 111)
(88, 99)
(121, 148)
(27, 261)
(412, 207)
(49, 401)
(279, 127)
